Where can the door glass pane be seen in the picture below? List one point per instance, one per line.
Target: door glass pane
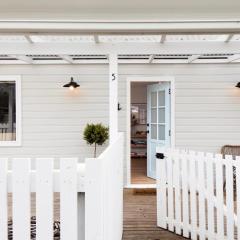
(161, 98)
(153, 99)
(153, 131)
(7, 111)
(161, 132)
(161, 115)
(154, 115)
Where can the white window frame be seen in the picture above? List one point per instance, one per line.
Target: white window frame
(17, 80)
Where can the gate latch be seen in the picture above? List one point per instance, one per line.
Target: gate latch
(160, 155)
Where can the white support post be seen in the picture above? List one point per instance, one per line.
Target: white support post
(113, 96)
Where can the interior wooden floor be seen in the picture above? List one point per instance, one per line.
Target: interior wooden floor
(139, 172)
(140, 217)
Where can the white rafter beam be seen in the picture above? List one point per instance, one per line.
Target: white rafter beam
(67, 58)
(229, 38)
(96, 38)
(28, 38)
(151, 58)
(163, 38)
(193, 58)
(233, 58)
(22, 58)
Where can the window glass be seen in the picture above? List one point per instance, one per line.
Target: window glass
(7, 111)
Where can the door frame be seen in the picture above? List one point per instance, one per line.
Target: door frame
(140, 79)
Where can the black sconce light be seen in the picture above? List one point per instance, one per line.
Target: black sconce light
(72, 84)
(238, 85)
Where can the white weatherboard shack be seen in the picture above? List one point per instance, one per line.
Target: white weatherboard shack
(168, 91)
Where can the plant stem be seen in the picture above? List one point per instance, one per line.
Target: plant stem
(95, 150)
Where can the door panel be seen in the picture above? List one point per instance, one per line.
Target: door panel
(158, 122)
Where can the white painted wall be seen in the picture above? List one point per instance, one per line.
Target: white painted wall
(207, 106)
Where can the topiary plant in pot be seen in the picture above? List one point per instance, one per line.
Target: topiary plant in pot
(96, 134)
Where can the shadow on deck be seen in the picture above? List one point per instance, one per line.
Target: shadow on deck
(140, 217)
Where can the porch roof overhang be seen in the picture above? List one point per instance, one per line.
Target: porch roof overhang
(71, 42)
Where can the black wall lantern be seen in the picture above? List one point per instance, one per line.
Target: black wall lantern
(238, 85)
(72, 84)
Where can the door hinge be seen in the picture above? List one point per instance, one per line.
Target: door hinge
(169, 133)
(169, 90)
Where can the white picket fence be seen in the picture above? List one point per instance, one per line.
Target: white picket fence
(90, 196)
(197, 196)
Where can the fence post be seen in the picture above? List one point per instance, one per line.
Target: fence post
(161, 188)
(94, 201)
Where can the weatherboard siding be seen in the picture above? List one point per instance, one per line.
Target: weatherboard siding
(207, 110)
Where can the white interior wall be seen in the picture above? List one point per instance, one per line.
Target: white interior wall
(207, 106)
(138, 93)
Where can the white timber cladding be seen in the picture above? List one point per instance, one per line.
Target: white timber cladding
(207, 106)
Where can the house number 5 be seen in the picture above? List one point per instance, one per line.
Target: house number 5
(113, 76)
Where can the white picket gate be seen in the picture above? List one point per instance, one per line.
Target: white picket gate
(198, 195)
(90, 196)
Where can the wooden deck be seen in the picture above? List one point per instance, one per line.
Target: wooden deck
(139, 172)
(140, 217)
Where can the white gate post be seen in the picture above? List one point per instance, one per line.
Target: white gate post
(161, 188)
(113, 96)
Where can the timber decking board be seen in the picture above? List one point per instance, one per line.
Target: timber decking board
(140, 218)
(139, 172)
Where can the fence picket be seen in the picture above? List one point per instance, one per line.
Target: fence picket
(176, 184)
(201, 196)
(210, 195)
(185, 200)
(161, 193)
(44, 198)
(170, 190)
(21, 199)
(68, 198)
(193, 195)
(3, 199)
(238, 195)
(229, 197)
(219, 196)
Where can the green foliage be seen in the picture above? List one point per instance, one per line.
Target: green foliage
(96, 134)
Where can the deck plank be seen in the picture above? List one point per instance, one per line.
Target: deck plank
(140, 218)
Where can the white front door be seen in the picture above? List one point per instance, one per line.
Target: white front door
(159, 129)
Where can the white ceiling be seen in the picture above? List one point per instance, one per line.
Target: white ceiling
(120, 10)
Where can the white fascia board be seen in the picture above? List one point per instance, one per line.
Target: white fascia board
(119, 48)
(119, 26)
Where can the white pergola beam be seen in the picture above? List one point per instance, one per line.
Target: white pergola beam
(22, 58)
(193, 58)
(67, 58)
(113, 96)
(195, 48)
(163, 38)
(28, 38)
(233, 58)
(151, 58)
(229, 38)
(120, 27)
(96, 39)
